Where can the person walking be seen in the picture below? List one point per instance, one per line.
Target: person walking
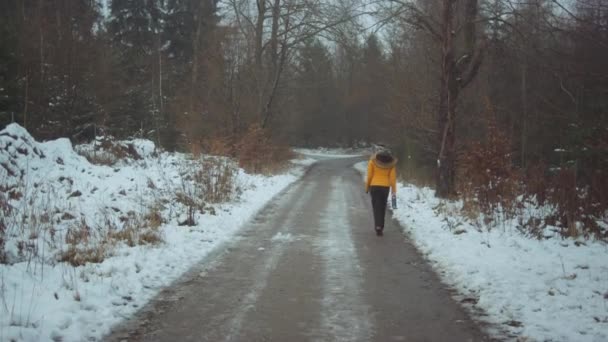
(381, 177)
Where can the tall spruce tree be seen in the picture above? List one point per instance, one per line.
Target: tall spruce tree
(47, 55)
(316, 114)
(10, 97)
(189, 26)
(134, 27)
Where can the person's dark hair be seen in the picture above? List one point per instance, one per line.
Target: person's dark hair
(384, 156)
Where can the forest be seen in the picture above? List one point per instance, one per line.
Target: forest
(489, 101)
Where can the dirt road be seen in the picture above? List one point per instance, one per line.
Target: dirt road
(309, 268)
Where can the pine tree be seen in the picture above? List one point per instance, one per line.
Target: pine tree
(316, 115)
(10, 98)
(189, 27)
(46, 52)
(373, 82)
(134, 27)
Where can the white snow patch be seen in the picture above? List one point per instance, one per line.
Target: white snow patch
(280, 237)
(331, 153)
(345, 315)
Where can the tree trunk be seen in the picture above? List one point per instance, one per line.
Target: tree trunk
(447, 106)
(277, 66)
(259, 37)
(42, 85)
(524, 112)
(259, 33)
(161, 110)
(446, 163)
(267, 111)
(26, 99)
(456, 73)
(195, 59)
(274, 39)
(235, 105)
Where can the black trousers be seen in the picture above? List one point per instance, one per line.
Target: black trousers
(379, 198)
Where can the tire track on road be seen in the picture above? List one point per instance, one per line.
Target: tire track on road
(345, 315)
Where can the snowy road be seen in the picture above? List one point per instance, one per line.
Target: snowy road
(308, 268)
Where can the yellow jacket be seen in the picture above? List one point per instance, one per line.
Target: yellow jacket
(381, 174)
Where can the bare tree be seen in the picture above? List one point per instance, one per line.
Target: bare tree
(276, 29)
(461, 53)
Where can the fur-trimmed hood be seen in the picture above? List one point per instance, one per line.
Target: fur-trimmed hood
(384, 160)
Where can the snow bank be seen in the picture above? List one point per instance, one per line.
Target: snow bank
(63, 196)
(543, 290)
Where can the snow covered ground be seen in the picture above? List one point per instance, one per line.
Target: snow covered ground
(58, 210)
(331, 153)
(538, 290)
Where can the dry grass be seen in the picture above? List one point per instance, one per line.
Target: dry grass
(84, 247)
(150, 237)
(205, 182)
(154, 218)
(78, 234)
(5, 210)
(217, 178)
(26, 227)
(80, 256)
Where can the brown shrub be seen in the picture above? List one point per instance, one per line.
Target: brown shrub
(537, 181)
(279, 160)
(253, 149)
(219, 146)
(195, 148)
(578, 210)
(257, 153)
(598, 193)
(487, 178)
(189, 201)
(578, 190)
(217, 176)
(565, 195)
